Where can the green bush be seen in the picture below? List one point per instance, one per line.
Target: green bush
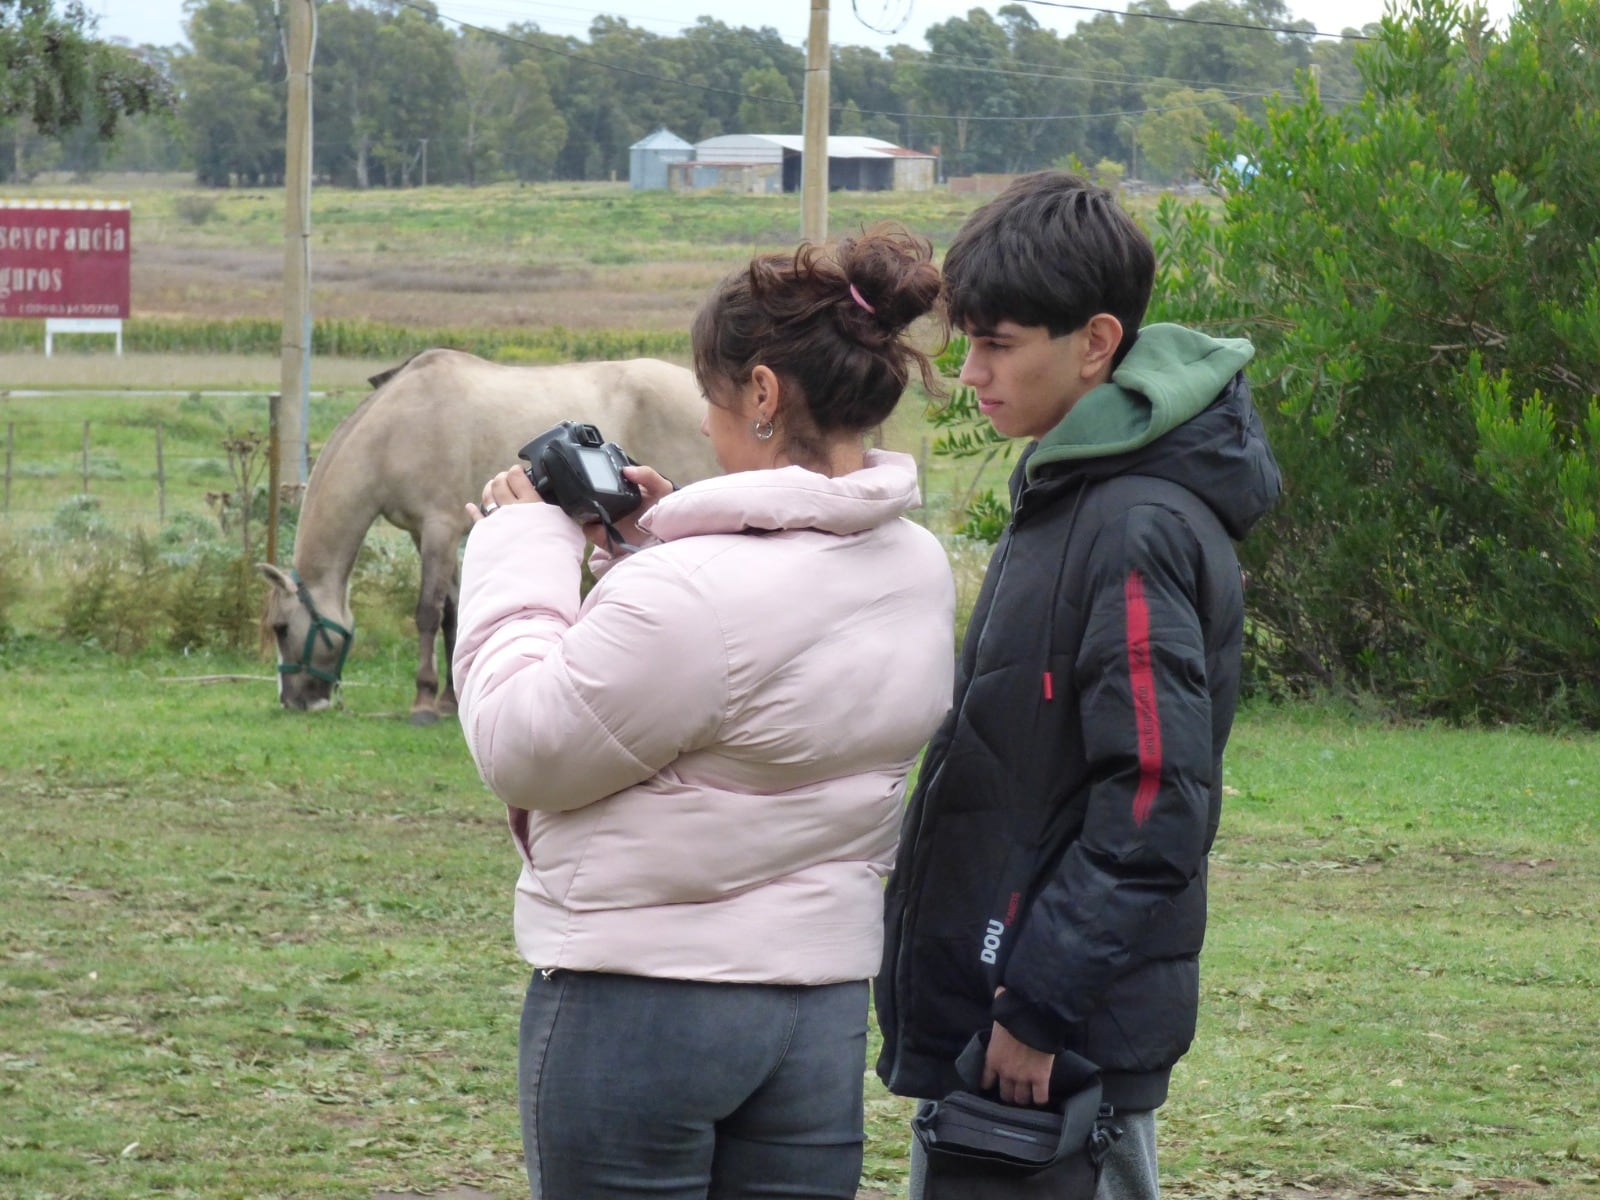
(186, 588)
(80, 519)
(11, 586)
(115, 596)
(1420, 273)
(214, 603)
(194, 209)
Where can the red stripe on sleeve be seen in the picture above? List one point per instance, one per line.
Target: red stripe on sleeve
(1141, 678)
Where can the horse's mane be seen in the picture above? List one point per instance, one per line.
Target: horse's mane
(383, 377)
(342, 431)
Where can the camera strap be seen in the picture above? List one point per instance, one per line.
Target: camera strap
(614, 540)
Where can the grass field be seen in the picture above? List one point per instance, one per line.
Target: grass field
(590, 256)
(250, 954)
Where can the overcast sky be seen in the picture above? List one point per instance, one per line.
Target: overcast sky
(161, 21)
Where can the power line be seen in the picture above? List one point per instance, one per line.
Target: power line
(779, 103)
(956, 62)
(933, 58)
(1174, 17)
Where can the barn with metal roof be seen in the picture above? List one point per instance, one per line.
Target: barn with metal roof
(763, 162)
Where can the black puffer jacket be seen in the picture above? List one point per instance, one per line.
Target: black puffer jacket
(1056, 843)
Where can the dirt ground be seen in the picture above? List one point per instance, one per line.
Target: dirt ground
(1509, 1189)
(171, 280)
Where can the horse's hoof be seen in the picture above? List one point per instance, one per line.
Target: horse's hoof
(424, 716)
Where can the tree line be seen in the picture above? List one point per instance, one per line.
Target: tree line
(404, 97)
(1420, 275)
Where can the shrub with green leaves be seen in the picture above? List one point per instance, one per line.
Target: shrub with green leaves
(1420, 273)
(964, 432)
(11, 569)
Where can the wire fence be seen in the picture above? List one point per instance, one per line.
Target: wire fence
(138, 472)
(135, 472)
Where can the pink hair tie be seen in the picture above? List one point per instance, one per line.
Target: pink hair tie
(856, 296)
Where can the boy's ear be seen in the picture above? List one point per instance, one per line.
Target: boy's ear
(1104, 336)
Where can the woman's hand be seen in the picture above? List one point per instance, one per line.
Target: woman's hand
(511, 486)
(652, 486)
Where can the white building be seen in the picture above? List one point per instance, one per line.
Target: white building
(769, 162)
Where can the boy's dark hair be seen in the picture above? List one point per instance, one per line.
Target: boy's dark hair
(1051, 250)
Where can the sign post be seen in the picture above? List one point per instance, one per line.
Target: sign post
(68, 262)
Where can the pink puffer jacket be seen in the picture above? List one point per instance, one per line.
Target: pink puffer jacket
(704, 761)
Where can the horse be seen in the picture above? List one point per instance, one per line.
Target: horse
(414, 452)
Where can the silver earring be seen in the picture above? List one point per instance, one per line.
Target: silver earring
(763, 430)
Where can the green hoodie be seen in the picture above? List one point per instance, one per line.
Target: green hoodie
(1170, 374)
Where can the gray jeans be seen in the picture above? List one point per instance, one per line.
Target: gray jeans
(664, 1088)
(1129, 1172)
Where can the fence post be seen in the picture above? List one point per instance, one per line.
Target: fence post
(11, 434)
(161, 475)
(86, 458)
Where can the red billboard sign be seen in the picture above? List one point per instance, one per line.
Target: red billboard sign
(64, 258)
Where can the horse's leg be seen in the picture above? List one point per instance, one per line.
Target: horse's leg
(447, 698)
(436, 547)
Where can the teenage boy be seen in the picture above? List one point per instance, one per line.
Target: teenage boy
(1050, 888)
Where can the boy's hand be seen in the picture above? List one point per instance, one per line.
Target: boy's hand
(1021, 1073)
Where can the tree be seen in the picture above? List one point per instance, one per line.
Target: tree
(712, 55)
(349, 92)
(604, 96)
(417, 79)
(862, 82)
(1047, 80)
(963, 77)
(55, 77)
(1421, 275)
(532, 131)
(234, 104)
(768, 103)
(1172, 137)
(484, 80)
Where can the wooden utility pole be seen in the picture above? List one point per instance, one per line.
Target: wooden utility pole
(297, 242)
(814, 156)
(287, 455)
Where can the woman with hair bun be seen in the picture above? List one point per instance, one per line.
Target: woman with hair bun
(704, 760)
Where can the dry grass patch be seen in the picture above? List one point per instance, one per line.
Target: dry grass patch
(101, 370)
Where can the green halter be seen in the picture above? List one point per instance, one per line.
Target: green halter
(322, 628)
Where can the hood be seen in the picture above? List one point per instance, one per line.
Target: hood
(1177, 408)
(790, 498)
(1169, 375)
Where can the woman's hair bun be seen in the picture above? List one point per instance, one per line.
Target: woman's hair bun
(893, 276)
(831, 319)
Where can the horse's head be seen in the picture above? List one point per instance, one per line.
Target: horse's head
(311, 646)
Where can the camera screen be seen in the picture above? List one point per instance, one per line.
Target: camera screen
(598, 467)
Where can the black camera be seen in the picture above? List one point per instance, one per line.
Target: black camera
(573, 466)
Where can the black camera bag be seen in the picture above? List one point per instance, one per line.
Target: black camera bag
(980, 1149)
